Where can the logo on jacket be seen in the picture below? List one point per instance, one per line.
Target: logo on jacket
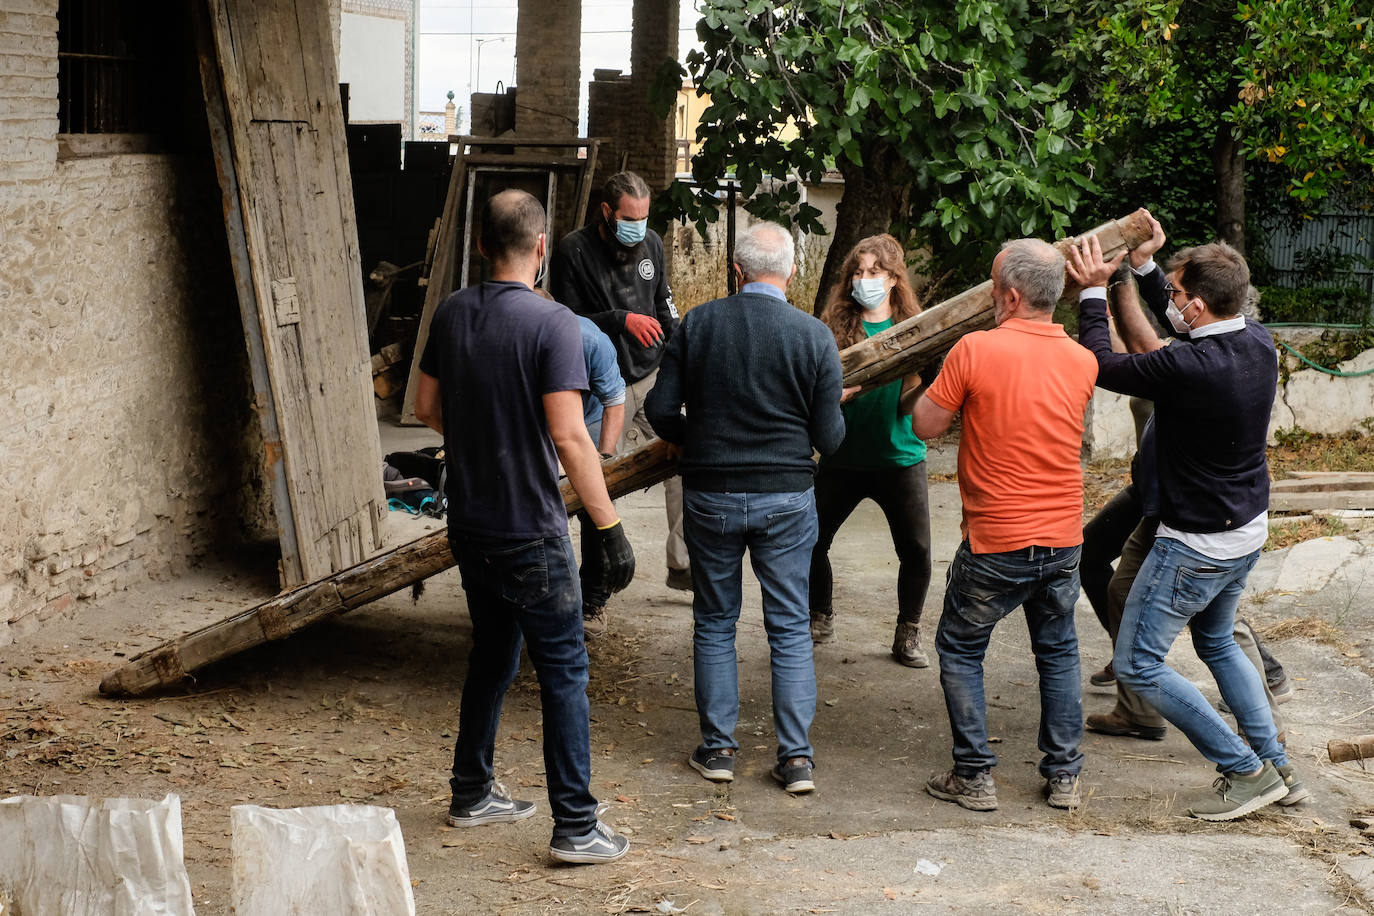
(646, 269)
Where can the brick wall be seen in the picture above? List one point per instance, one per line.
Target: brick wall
(548, 67)
(128, 436)
(618, 107)
(28, 88)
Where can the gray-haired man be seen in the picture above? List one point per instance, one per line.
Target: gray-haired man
(761, 384)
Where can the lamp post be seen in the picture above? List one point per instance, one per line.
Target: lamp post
(480, 42)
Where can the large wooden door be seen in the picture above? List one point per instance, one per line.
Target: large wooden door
(272, 96)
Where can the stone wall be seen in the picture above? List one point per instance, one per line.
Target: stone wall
(128, 436)
(547, 67)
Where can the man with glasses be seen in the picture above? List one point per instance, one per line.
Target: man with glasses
(1213, 398)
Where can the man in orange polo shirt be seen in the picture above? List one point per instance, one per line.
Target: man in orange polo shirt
(1022, 387)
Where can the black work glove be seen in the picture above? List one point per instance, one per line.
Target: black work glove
(617, 559)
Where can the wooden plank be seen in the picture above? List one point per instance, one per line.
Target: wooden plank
(413, 562)
(288, 162)
(1304, 502)
(1342, 749)
(264, 402)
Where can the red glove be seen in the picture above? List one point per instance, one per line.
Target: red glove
(644, 329)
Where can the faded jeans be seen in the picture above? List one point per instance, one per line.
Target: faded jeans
(779, 531)
(1178, 587)
(981, 589)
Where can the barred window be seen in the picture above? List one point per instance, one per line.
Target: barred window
(114, 65)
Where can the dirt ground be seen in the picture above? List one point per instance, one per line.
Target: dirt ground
(364, 709)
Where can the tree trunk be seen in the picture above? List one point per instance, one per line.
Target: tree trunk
(1229, 167)
(869, 205)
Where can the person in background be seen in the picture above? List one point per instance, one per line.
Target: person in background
(612, 271)
(603, 410)
(881, 458)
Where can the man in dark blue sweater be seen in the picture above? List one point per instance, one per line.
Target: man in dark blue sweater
(760, 381)
(1213, 395)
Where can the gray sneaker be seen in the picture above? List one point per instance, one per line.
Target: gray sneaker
(496, 807)
(600, 844)
(795, 775)
(822, 627)
(977, 793)
(716, 765)
(1297, 792)
(1061, 791)
(906, 646)
(1235, 795)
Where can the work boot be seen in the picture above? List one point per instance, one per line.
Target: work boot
(593, 621)
(822, 627)
(1236, 795)
(1113, 723)
(1297, 792)
(906, 645)
(1104, 678)
(977, 793)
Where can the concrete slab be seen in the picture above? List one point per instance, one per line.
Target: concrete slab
(1310, 566)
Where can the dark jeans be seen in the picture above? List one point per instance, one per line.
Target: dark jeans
(981, 589)
(1103, 538)
(902, 495)
(525, 588)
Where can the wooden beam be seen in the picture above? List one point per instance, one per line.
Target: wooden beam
(884, 357)
(1360, 748)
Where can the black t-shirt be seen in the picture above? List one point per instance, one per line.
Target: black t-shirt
(605, 281)
(496, 350)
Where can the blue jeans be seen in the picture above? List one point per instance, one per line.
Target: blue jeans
(1178, 587)
(779, 529)
(981, 589)
(525, 588)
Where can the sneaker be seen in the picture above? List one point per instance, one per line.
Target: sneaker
(1113, 723)
(1104, 678)
(1061, 791)
(717, 765)
(680, 579)
(977, 793)
(496, 807)
(600, 844)
(906, 646)
(593, 621)
(822, 627)
(795, 775)
(1297, 792)
(1236, 795)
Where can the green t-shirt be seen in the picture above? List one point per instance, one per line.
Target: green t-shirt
(875, 437)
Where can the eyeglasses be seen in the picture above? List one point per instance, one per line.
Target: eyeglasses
(1170, 290)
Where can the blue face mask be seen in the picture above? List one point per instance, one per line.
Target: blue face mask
(630, 232)
(870, 293)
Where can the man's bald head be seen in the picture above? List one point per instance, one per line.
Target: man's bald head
(512, 222)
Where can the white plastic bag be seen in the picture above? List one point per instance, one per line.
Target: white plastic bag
(65, 855)
(339, 860)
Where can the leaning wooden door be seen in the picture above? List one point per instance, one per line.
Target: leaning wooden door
(272, 95)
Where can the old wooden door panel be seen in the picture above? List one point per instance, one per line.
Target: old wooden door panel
(275, 62)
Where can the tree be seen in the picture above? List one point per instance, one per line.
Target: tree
(1283, 82)
(946, 120)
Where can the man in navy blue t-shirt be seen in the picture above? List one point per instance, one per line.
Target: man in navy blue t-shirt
(502, 379)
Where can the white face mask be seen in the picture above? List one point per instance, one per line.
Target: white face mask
(1176, 319)
(869, 293)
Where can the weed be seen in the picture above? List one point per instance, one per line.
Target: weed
(1290, 533)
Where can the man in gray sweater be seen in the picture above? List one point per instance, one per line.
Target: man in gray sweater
(760, 381)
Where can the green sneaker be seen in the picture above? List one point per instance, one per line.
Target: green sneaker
(1297, 792)
(1236, 795)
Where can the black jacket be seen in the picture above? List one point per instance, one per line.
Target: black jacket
(605, 281)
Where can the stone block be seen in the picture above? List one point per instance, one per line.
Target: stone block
(56, 606)
(123, 537)
(1310, 566)
(116, 556)
(40, 548)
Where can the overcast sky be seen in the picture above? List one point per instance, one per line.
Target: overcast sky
(451, 30)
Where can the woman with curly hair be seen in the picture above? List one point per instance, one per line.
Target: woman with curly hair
(881, 458)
